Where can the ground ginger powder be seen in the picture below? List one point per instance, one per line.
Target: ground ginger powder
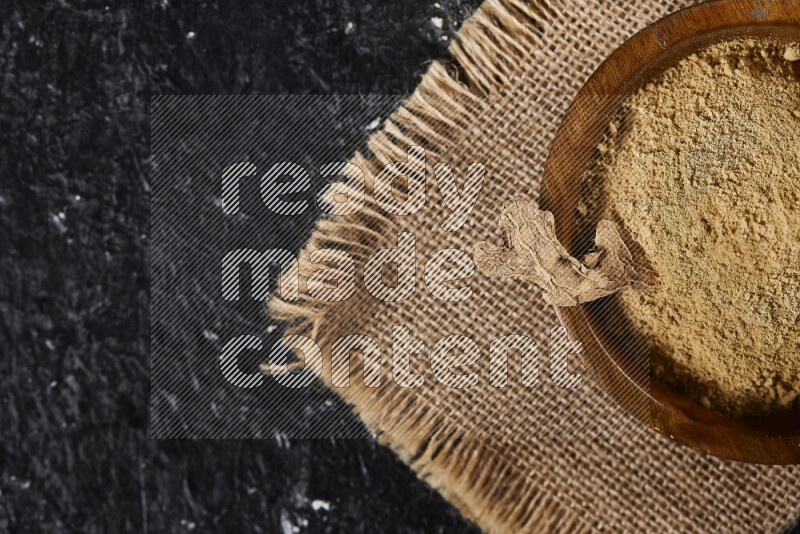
(702, 167)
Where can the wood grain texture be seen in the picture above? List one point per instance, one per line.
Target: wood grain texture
(615, 362)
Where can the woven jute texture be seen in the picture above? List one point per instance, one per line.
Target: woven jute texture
(516, 458)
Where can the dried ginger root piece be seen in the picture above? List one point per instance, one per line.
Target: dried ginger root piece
(533, 252)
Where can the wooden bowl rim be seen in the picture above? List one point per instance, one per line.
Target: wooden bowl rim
(773, 439)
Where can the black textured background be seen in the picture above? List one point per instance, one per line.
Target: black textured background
(74, 298)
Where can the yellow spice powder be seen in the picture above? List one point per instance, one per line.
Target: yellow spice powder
(702, 167)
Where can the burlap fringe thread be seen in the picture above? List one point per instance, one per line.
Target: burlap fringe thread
(469, 473)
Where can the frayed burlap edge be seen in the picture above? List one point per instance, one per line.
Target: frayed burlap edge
(472, 474)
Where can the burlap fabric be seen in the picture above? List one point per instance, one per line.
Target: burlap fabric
(517, 459)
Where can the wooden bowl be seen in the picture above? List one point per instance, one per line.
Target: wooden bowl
(621, 369)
